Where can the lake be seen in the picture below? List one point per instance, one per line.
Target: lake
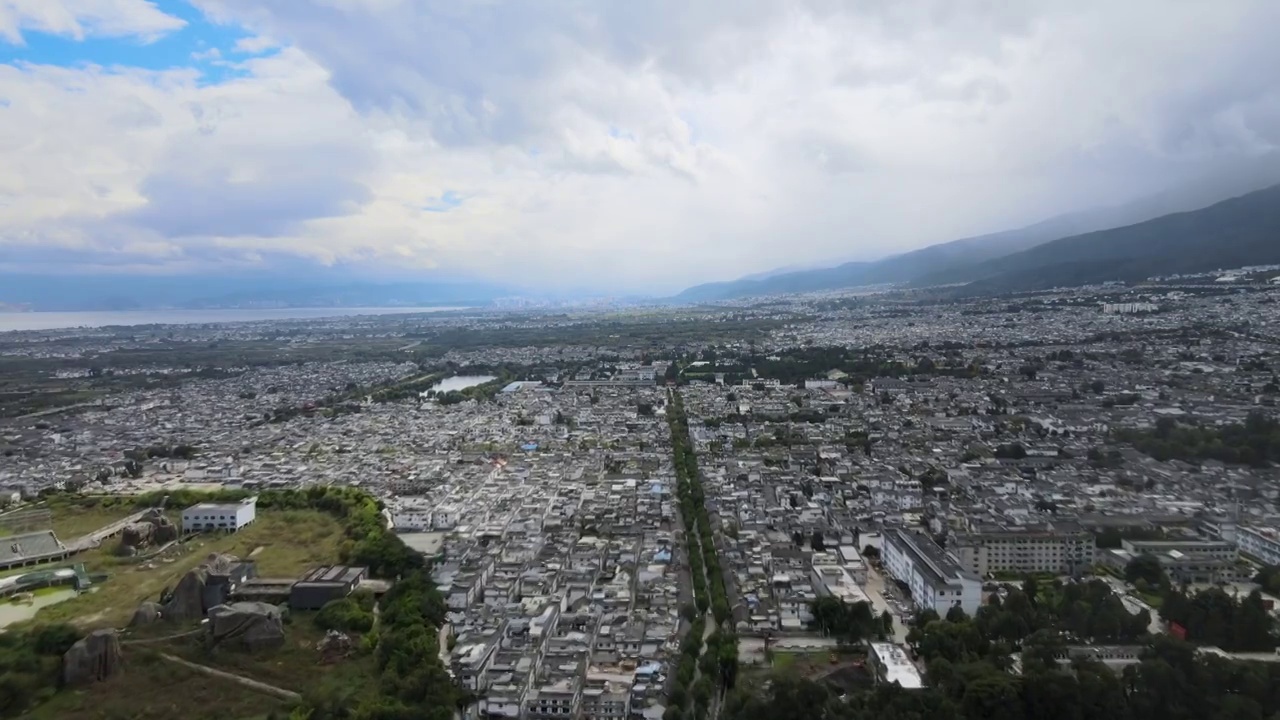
(460, 382)
(94, 319)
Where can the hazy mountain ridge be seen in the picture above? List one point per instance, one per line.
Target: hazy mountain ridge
(967, 259)
(1234, 233)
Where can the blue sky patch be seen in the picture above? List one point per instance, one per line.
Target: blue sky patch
(192, 46)
(446, 202)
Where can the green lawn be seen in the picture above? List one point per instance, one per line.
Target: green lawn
(73, 521)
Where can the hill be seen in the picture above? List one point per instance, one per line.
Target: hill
(1233, 233)
(967, 259)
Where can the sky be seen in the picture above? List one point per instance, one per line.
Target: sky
(611, 146)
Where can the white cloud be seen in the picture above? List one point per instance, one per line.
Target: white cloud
(632, 145)
(84, 18)
(255, 45)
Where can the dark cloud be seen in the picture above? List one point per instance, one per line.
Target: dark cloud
(182, 206)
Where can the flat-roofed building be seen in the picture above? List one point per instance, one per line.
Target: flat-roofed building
(224, 517)
(890, 664)
(329, 582)
(851, 560)
(1063, 547)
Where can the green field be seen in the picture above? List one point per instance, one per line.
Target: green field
(153, 689)
(296, 666)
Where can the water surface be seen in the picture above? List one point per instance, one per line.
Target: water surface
(16, 612)
(108, 318)
(461, 382)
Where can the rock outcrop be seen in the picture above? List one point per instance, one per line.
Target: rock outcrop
(246, 626)
(152, 529)
(93, 658)
(186, 603)
(146, 614)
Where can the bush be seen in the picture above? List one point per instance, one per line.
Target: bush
(346, 615)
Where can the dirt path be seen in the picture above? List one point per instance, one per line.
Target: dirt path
(261, 687)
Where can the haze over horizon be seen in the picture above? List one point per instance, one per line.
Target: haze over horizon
(643, 146)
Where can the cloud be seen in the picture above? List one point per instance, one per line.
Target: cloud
(255, 45)
(643, 145)
(85, 18)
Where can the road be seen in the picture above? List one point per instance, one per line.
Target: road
(875, 588)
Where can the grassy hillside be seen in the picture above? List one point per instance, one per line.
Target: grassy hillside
(283, 543)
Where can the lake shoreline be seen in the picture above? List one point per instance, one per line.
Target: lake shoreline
(36, 321)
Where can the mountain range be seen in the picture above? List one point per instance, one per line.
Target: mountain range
(1197, 227)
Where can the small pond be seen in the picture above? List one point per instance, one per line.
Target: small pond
(12, 611)
(461, 382)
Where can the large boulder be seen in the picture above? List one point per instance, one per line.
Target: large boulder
(153, 528)
(146, 614)
(186, 603)
(137, 535)
(164, 532)
(93, 658)
(246, 626)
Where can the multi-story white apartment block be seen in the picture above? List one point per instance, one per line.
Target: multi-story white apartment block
(936, 580)
(1261, 543)
(606, 698)
(1061, 547)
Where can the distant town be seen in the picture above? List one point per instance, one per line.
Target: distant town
(663, 512)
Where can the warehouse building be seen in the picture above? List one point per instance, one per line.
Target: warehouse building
(330, 582)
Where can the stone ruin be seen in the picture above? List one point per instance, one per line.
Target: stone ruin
(249, 626)
(93, 658)
(152, 530)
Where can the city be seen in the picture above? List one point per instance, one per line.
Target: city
(626, 515)
(662, 360)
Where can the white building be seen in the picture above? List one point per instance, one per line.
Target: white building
(890, 664)
(936, 581)
(225, 517)
(1064, 548)
(1129, 308)
(835, 581)
(413, 519)
(851, 560)
(445, 517)
(1262, 543)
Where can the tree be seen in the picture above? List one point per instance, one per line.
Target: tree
(1145, 567)
(817, 542)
